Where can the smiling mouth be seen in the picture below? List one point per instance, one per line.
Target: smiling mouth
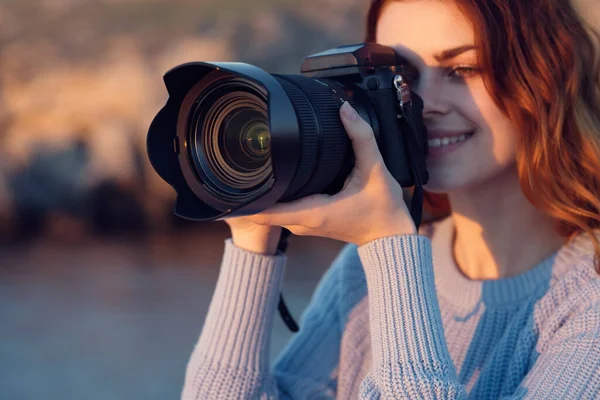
(449, 140)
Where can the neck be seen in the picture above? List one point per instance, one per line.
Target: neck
(497, 232)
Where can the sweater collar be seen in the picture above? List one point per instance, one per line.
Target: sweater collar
(466, 293)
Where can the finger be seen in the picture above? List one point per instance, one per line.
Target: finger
(363, 140)
(349, 179)
(299, 212)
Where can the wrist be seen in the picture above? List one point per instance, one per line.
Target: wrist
(390, 231)
(259, 244)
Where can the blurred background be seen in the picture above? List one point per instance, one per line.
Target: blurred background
(102, 291)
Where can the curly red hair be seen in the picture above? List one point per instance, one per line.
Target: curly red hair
(542, 68)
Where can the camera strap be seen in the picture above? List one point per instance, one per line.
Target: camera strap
(283, 310)
(414, 148)
(416, 204)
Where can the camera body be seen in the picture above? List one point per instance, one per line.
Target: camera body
(309, 151)
(367, 73)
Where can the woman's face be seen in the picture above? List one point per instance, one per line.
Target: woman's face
(438, 40)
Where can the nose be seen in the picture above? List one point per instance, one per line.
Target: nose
(435, 103)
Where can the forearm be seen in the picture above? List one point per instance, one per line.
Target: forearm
(231, 358)
(410, 355)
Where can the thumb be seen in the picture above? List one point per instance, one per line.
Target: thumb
(365, 148)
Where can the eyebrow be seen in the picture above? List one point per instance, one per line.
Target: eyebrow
(455, 52)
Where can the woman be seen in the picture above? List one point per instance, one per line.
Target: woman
(497, 298)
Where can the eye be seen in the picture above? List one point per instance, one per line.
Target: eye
(463, 72)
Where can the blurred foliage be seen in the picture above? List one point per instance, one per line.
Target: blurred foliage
(80, 81)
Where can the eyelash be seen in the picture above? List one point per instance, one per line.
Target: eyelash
(452, 71)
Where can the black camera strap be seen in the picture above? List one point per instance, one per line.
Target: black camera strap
(283, 310)
(416, 205)
(414, 148)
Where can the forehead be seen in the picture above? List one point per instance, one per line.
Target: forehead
(425, 27)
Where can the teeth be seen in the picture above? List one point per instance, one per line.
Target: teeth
(437, 142)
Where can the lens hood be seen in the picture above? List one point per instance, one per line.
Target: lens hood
(168, 143)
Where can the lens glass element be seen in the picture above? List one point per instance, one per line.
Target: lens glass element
(258, 138)
(246, 139)
(231, 143)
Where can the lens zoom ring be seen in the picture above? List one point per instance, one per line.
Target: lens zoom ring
(309, 130)
(333, 141)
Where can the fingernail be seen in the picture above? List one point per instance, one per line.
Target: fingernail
(349, 112)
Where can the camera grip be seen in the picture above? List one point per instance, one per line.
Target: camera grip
(390, 137)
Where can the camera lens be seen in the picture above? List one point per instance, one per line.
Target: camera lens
(230, 140)
(235, 142)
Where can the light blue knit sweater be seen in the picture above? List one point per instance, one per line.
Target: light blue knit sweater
(424, 331)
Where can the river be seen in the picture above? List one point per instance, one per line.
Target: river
(117, 319)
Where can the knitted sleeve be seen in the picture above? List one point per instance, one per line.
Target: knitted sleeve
(231, 358)
(410, 354)
(566, 364)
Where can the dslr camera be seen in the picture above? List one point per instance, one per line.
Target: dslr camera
(233, 139)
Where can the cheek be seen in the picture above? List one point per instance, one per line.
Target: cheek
(490, 153)
(497, 133)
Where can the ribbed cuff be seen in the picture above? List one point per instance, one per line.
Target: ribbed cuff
(237, 328)
(406, 323)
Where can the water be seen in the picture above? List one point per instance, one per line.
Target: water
(118, 320)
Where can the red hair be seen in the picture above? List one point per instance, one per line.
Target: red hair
(542, 68)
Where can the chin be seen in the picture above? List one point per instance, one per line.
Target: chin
(447, 180)
(443, 183)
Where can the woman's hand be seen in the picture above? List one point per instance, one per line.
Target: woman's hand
(369, 206)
